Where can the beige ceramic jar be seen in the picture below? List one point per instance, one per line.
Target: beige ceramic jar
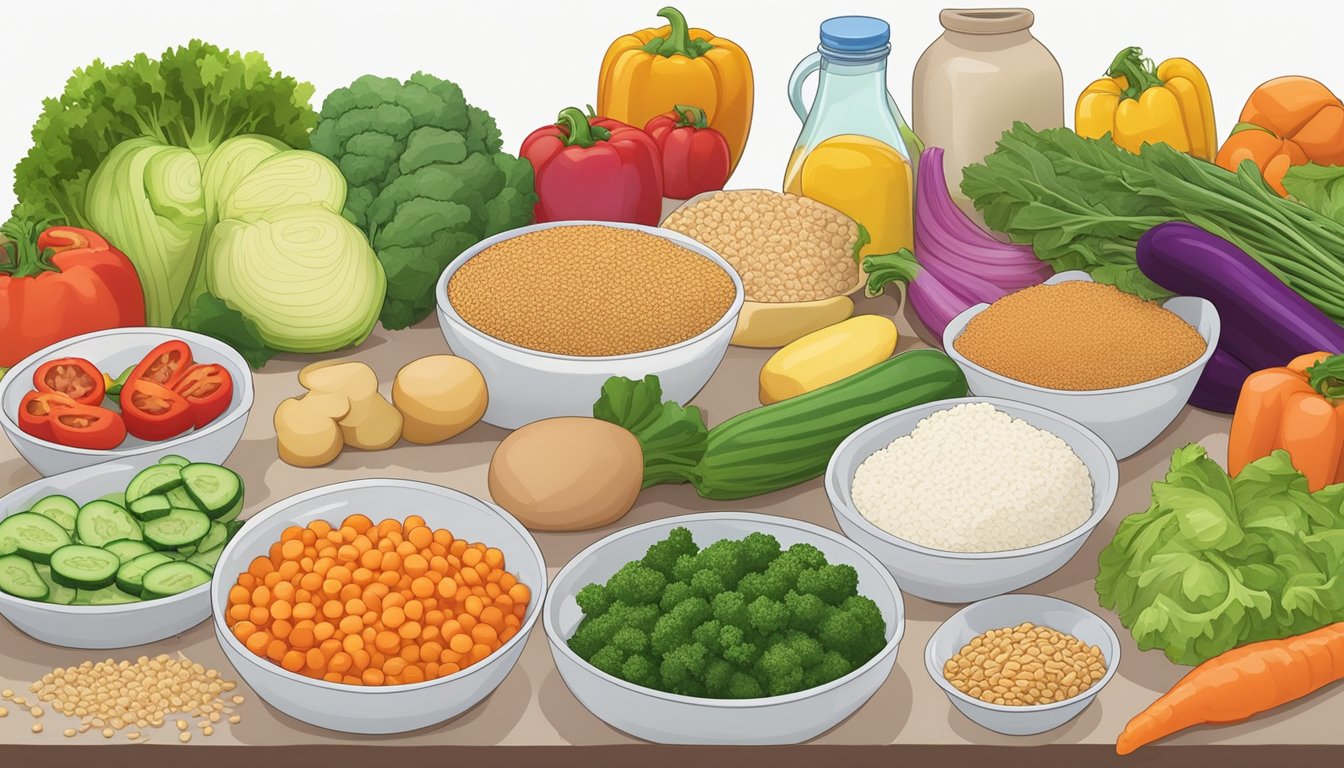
(984, 73)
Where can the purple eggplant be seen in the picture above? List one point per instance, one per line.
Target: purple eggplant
(1220, 383)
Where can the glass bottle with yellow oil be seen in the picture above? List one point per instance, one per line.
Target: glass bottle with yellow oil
(854, 151)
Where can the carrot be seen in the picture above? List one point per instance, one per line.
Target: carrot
(1240, 683)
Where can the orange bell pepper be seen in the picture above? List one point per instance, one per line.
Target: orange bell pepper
(1287, 121)
(1298, 408)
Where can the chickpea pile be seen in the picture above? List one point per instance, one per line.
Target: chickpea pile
(1025, 665)
(386, 604)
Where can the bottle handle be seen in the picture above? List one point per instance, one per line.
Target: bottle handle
(805, 68)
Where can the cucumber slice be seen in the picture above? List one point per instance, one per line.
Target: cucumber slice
(61, 509)
(150, 507)
(105, 596)
(214, 488)
(84, 567)
(100, 522)
(233, 513)
(159, 478)
(172, 578)
(127, 550)
(173, 459)
(178, 528)
(58, 594)
(19, 577)
(35, 536)
(207, 558)
(217, 536)
(180, 499)
(131, 575)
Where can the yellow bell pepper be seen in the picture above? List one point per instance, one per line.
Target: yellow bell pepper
(1139, 104)
(649, 72)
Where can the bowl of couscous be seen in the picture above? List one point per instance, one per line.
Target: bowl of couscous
(969, 498)
(1120, 366)
(549, 312)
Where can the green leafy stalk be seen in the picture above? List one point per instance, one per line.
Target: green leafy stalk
(1327, 377)
(673, 437)
(1140, 74)
(22, 258)
(691, 116)
(884, 269)
(578, 132)
(678, 41)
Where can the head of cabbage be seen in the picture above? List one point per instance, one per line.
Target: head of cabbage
(253, 224)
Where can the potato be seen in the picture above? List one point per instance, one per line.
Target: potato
(440, 397)
(567, 474)
(372, 423)
(307, 434)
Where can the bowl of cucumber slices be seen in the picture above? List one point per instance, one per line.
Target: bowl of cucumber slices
(117, 554)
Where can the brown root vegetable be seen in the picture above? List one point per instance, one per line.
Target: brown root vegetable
(372, 423)
(439, 397)
(567, 473)
(306, 429)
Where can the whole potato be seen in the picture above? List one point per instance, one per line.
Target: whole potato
(440, 396)
(567, 474)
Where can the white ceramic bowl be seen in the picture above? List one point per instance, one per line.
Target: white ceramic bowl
(672, 719)
(97, 626)
(960, 577)
(527, 385)
(113, 351)
(1127, 418)
(1009, 611)
(393, 708)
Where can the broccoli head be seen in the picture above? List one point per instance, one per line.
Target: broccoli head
(636, 584)
(737, 648)
(855, 630)
(805, 611)
(593, 600)
(707, 584)
(832, 583)
(640, 670)
(779, 670)
(731, 609)
(630, 640)
(832, 666)
(743, 686)
(674, 627)
(683, 669)
(674, 593)
(707, 634)
(719, 676)
(768, 584)
(807, 648)
(609, 659)
(662, 556)
(724, 558)
(759, 550)
(767, 616)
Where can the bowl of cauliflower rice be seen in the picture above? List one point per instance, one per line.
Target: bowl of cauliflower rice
(970, 498)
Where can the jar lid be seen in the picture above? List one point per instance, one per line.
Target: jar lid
(851, 34)
(986, 21)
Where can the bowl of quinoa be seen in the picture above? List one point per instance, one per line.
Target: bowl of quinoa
(1119, 365)
(550, 311)
(972, 497)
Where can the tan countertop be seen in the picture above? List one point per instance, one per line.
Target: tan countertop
(534, 708)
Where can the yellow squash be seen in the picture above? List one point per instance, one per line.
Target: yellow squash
(1139, 104)
(827, 356)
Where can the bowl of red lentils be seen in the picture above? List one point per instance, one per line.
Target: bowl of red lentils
(1022, 664)
(378, 605)
(549, 312)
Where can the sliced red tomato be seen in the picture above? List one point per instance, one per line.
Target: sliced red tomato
(87, 426)
(35, 411)
(154, 412)
(74, 377)
(207, 388)
(164, 365)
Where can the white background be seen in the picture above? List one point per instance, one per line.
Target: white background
(523, 60)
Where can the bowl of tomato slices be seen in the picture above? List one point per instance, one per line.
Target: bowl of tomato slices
(132, 394)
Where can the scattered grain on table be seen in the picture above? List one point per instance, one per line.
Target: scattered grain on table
(590, 290)
(1025, 665)
(785, 247)
(1079, 336)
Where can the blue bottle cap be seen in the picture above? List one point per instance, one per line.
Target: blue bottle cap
(852, 34)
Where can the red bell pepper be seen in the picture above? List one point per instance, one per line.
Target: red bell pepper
(61, 283)
(595, 168)
(695, 156)
(87, 426)
(153, 412)
(35, 411)
(207, 389)
(164, 365)
(74, 377)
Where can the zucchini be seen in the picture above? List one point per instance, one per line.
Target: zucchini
(127, 550)
(57, 594)
(159, 478)
(774, 446)
(150, 507)
(131, 575)
(34, 536)
(100, 522)
(171, 579)
(83, 567)
(61, 509)
(213, 488)
(178, 528)
(19, 577)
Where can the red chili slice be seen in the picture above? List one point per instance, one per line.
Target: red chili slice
(153, 412)
(208, 389)
(75, 377)
(35, 411)
(164, 365)
(87, 426)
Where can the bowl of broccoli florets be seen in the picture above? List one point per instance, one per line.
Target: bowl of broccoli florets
(724, 628)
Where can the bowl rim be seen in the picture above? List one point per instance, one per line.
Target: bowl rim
(963, 318)
(281, 506)
(246, 393)
(559, 644)
(729, 317)
(1112, 654)
(7, 600)
(1101, 506)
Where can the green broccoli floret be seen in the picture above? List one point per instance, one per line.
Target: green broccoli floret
(674, 627)
(719, 677)
(743, 686)
(832, 583)
(767, 616)
(808, 555)
(595, 632)
(806, 612)
(730, 608)
(832, 666)
(685, 567)
(737, 648)
(759, 550)
(855, 630)
(779, 670)
(793, 561)
(640, 670)
(707, 584)
(807, 648)
(630, 640)
(723, 557)
(662, 556)
(593, 600)
(683, 668)
(636, 584)
(766, 584)
(675, 593)
(609, 659)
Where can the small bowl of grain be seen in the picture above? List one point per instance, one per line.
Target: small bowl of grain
(1117, 364)
(549, 312)
(1022, 664)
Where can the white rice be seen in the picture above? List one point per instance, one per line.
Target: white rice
(974, 479)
